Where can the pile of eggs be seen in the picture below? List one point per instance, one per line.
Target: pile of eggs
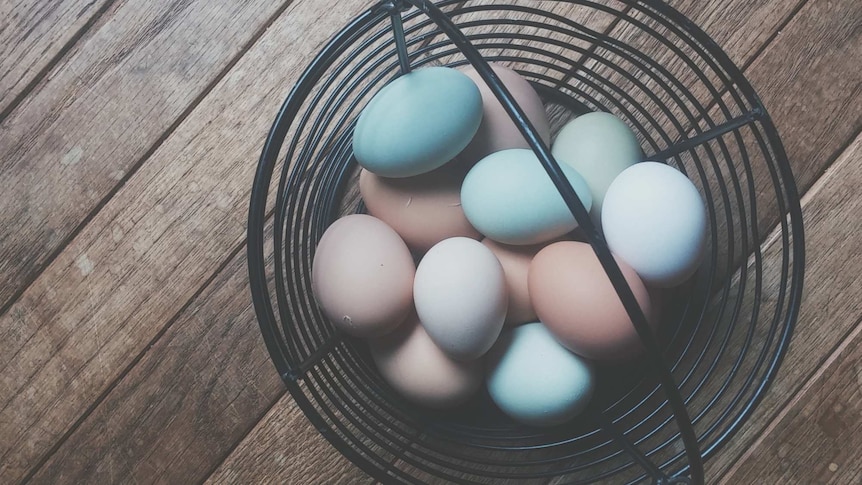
(466, 270)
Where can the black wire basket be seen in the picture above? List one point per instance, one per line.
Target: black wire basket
(723, 334)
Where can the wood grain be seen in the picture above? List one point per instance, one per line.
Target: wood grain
(195, 392)
(148, 251)
(90, 427)
(821, 41)
(285, 448)
(817, 436)
(101, 111)
(33, 33)
(170, 229)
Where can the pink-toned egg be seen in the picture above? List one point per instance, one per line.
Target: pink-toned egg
(497, 131)
(415, 367)
(516, 266)
(362, 276)
(575, 299)
(424, 209)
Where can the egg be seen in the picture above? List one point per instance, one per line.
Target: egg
(510, 198)
(423, 210)
(460, 296)
(599, 146)
(654, 218)
(516, 266)
(418, 122)
(362, 276)
(533, 379)
(418, 370)
(575, 299)
(498, 131)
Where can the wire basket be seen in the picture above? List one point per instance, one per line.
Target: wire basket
(723, 334)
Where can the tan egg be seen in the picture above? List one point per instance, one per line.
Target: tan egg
(575, 299)
(413, 364)
(498, 131)
(516, 266)
(362, 276)
(423, 210)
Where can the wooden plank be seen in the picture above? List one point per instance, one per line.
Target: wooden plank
(149, 250)
(285, 448)
(175, 415)
(817, 436)
(101, 110)
(91, 427)
(823, 43)
(33, 34)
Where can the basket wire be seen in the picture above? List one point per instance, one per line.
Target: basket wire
(329, 374)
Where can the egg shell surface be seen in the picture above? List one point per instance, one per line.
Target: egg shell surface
(655, 219)
(418, 122)
(415, 367)
(510, 198)
(516, 265)
(460, 297)
(535, 380)
(574, 298)
(599, 146)
(497, 130)
(362, 276)
(423, 210)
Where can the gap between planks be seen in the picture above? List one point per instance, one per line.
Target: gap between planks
(53, 58)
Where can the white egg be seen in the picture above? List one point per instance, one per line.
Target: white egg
(654, 218)
(533, 379)
(460, 297)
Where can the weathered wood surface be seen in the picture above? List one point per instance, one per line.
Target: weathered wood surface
(150, 249)
(101, 111)
(815, 437)
(110, 374)
(33, 35)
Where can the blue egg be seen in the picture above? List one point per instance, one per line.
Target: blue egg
(418, 122)
(535, 380)
(510, 198)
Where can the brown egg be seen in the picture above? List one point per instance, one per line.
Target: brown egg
(498, 131)
(424, 209)
(362, 276)
(516, 266)
(574, 298)
(412, 364)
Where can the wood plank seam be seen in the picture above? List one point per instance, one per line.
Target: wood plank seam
(83, 417)
(140, 162)
(52, 63)
(204, 285)
(821, 183)
(790, 16)
(774, 423)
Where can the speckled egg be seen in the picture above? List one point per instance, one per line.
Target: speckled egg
(362, 276)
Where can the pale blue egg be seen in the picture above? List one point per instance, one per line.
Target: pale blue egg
(535, 380)
(418, 122)
(510, 198)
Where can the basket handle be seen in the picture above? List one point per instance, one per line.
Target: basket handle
(594, 236)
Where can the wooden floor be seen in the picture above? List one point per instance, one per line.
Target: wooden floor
(129, 132)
